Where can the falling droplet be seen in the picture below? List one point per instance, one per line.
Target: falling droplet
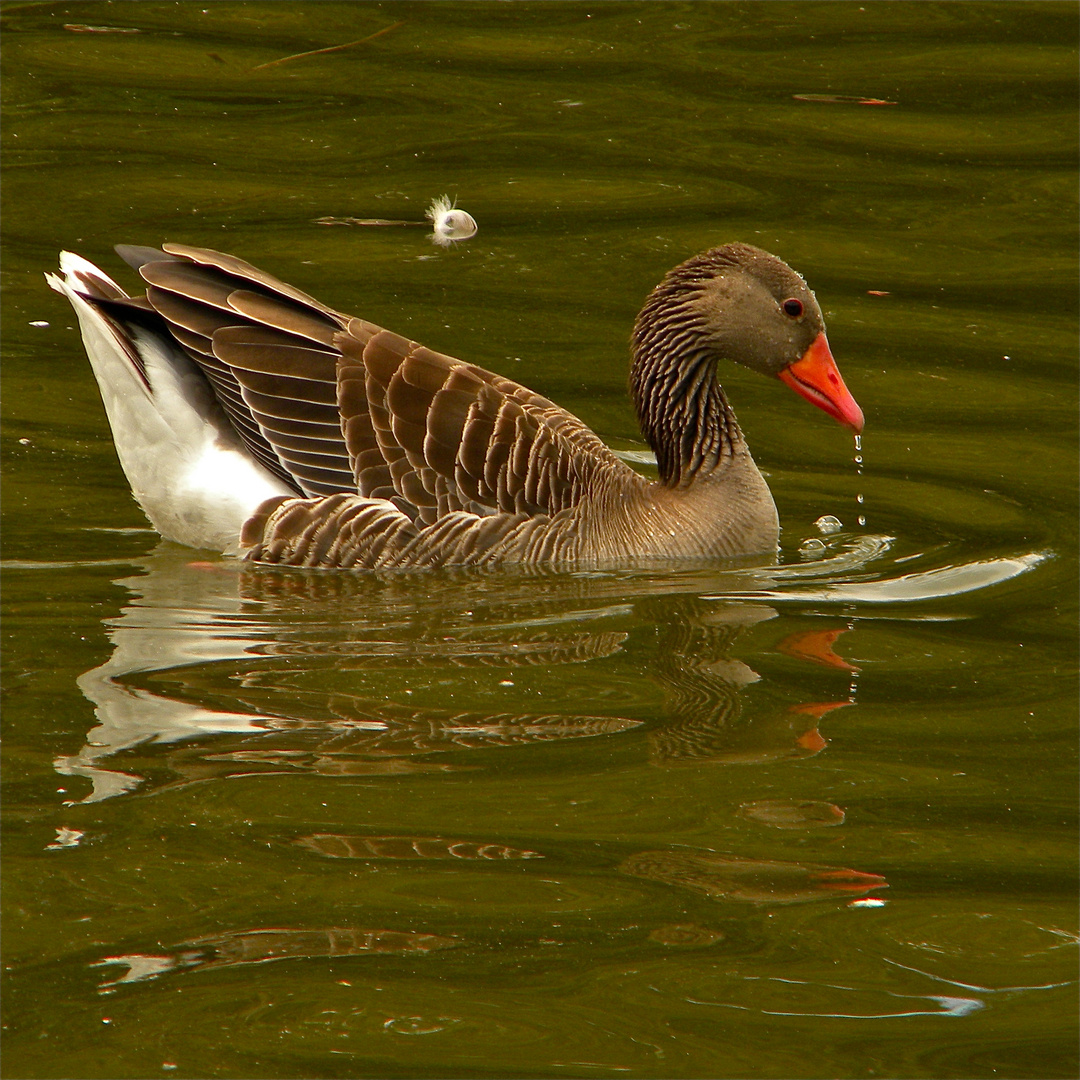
(858, 472)
(853, 686)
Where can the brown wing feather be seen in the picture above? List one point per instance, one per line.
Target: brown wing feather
(454, 436)
(342, 405)
(251, 275)
(267, 351)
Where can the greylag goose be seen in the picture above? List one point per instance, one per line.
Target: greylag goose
(254, 420)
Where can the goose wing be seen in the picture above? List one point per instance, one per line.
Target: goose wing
(445, 435)
(338, 404)
(267, 350)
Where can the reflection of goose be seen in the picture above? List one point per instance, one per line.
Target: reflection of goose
(229, 669)
(250, 417)
(757, 881)
(186, 618)
(409, 848)
(259, 946)
(371, 739)
(704, 687)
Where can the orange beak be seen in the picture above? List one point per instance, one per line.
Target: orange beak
(816, 378)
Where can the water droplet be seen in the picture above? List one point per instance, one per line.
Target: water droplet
(858, 442)
(859, 499)
(858, 459)
(862, 520)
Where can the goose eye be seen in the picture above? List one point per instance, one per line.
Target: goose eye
(793, 308)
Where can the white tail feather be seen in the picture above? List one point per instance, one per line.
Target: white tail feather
(187, 467)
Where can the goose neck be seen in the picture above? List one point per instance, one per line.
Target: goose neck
(681, 408)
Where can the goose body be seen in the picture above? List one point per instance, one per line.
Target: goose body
(254, 420)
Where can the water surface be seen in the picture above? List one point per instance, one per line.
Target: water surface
(816, 819)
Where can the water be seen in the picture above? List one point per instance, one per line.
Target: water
(810, 820)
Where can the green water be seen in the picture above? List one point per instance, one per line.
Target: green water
(267, 824)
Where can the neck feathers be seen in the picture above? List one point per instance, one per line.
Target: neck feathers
(681, 408)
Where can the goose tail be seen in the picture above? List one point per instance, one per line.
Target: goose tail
(186, 464)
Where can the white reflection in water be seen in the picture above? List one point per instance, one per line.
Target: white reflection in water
(948, 1005)
(265, 945)
(188, 618)
(161, 632)
(935, 584)
(139, 967)
(186, 615)
(65, 838)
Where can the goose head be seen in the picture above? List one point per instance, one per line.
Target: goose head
(738, 303)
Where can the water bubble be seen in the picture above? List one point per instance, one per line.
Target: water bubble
(827, 525)
(811, 548)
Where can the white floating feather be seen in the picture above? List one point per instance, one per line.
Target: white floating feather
(450, 224)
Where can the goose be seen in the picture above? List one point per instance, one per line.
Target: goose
(251, 419)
